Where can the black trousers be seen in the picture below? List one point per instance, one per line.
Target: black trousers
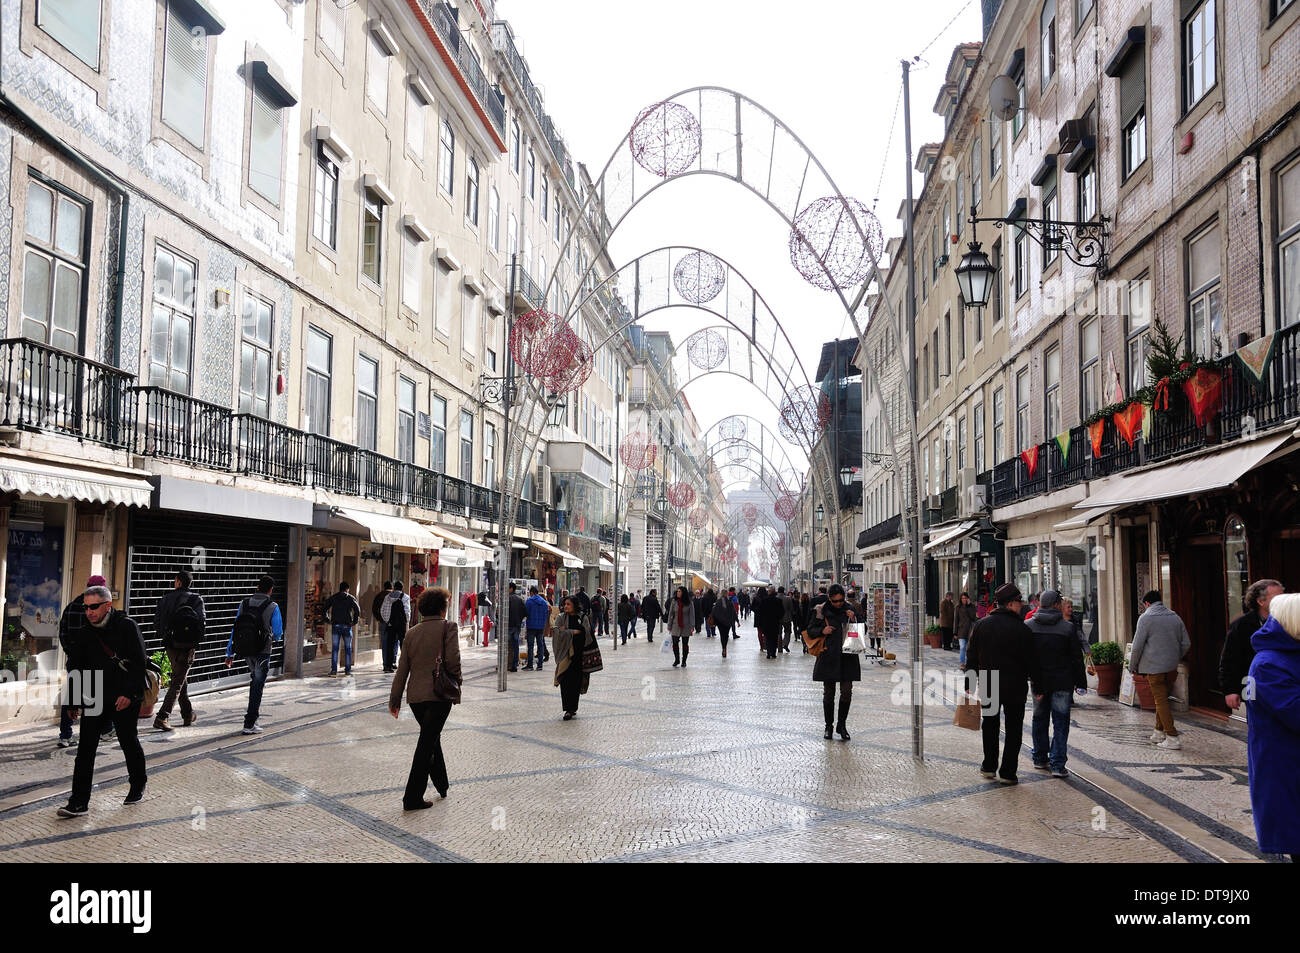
(724, 632)
(772, 642)
(427, 764)
(685, 648)
(126, 722)
(571, 686)
(946, 636)
(650, 628)
(828, 701)
(1014, 709)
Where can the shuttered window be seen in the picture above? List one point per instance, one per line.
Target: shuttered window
(266, 148)
(75, 24)
(185, 77)
(1133, 111)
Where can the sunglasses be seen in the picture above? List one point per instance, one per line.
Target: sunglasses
(837, 601)
(90, 606)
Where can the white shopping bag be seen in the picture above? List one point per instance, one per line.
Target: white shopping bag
(853, 635)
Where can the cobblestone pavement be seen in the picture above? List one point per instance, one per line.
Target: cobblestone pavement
(723, 760)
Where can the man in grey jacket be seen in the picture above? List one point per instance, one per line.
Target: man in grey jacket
(1159, 645)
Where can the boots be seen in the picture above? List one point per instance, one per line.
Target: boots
(840, 726)
(828, 709)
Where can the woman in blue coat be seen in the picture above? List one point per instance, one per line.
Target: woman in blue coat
(1273, 710)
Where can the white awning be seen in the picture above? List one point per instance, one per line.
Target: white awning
(462, 559)
(949, 534)
(570, 561)
(707, 581)
(1198, 475)
(393, 530)
(474, 550)
(69, 483)
(1086, 517)
(606, 565)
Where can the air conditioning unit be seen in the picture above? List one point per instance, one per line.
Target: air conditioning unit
(977, 499)
(934, 503)
(1072, 132)
(966, 479)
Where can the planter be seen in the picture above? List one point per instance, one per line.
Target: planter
(1108, 677)
(1146, 697)
(934, 639)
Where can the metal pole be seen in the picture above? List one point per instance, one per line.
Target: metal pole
(913, 513)
(503, 497)
(618, 530)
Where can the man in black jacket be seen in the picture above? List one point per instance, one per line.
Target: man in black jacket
(111, 673)
(767, 619)
(1059, 671)
(342, 611)
(179, 620)
(515, 612)
(1001, 653)
(1238, 653)
(651, 611)
(72, 630)
(707, 602)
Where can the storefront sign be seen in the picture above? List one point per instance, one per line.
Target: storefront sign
(853, 567)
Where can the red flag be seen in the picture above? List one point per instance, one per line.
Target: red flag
(1128, 420)
(1096, 431)
(1030, 457)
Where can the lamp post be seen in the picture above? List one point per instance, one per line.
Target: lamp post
(975, 277)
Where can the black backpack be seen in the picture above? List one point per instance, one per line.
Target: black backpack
(187, 627)
(397, 615)
(251, 628)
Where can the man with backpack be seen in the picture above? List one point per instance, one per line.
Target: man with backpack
(343, 612)
(180, 619)
(396, 613)
(257, 625)
(377, 620)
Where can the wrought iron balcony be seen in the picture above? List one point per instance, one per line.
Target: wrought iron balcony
(179, 427)
(528, 293)
(444, 22)
(504, 42)
(271, 450)
(45, 388)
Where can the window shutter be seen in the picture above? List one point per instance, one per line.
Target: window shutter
(1189, 7)
(185, 79)
(265, 148)
(1132, 87)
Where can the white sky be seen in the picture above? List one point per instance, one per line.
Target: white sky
(829, 71)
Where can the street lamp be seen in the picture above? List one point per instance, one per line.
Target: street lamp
(975, 276)
(846, 476)
(821, 513)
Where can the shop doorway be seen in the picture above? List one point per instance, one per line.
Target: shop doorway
(1202, 604)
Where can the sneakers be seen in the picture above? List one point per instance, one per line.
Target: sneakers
(161, 724)
(983, 774)
(1043, 766)
(65, 742)
(1171, 743)
(1158, 736)
(255, 730)
(134, 796)
(1060, 772)
(1002, 780)
(74, 810)
(336, 674)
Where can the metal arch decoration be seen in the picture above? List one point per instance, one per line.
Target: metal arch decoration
(543, 345)
(733, 428)
(681, 495)
(638, 451)
(706, 349)
(749, 512)
(698, 517)
(699, 277)
(826, 247)
(786, 507)
(737, 452)
(665, 139)
(722, 540)
(805, 412)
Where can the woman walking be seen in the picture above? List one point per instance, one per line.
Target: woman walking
(570, 635)
(680, 616)
(1273, 742)
(966, 619)
(626, 615)
(804, 617)
(830, 619)
(723, 617)
(430, 648)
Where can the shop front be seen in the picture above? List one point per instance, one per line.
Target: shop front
(970, 559)
(461, 566)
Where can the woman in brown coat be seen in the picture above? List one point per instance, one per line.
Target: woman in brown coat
(427, 646)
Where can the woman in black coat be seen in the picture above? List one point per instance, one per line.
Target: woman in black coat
(833, 666)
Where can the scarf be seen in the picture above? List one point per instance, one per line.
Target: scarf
(681, 613)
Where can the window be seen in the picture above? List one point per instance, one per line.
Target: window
(962, 208)
(326, 198)
(947, 464)
(925, 369)
(446, 157)
(934, 351)
(494, 218)
(490, 358)
(995, 147)
(546, 196)
(1090, 370)
(1133, 111)
(467, 446)
(469, 322)
(557, 218)
(377, 73)
(412, 271)
(172, 328)
(54, 267)
(1022, 263)
(414, 118)
(255, 358)
(1288, 244)
(936, 249)
(1047, 38)
(514, 145)
(438, 435)
(1022, 408)
(999, 425)
(532, 173)
(1051, 212)
(265, 147)
(320, 354)
(1018, 120)
(75, 24)
(1052, 391)
(471, 190)
(979, 436)
(995, 294)
(1204, 301)
(1139, 320)
(372, 238)
(1198, 51)
(512, 234)
(961, 441)
(333, 26)
(1081, 9)
(976, 175)
(185, 77)
(937, 486)
(367, 402)
(490, 456)
(444, 292)
(947, 351)
(405, 420)
(1086, 192)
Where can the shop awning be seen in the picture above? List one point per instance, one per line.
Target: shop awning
(475, 551)
(393, 530)
(948, 534)
(606, 565)
(707, 581)
(1087, 517)
(69, 483)
(1200, 474)
(569, 560)
(462, 559)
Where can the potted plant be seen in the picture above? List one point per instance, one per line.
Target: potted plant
(933, 636)
(1108, 661)
(1146, 697)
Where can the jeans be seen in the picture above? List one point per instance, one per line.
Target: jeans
(632, 627)
(1014, 709)
(512, 663)
(534, 637)
(343, 634)
(382, 631)
(961, 643)
(259, 666)
(622, 627)
(1161, 685)
(602, 624)
(1055, 705)
(787, 630)
(126, 723)
(427, 764)
(65, 723)
(181, 660)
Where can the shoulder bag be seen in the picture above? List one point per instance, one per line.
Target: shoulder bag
(444, 686)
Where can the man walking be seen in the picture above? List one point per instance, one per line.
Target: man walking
(111, 670)
(515, 613)
(1058, 672)
(180, 619)
(377, 619)
(537, 612)
(767, 617)
(584, 601)
(1238, 653)
(635, 599)
(1159, 645)
(707, 603)
(343, 612)
(651, 611)
(947, 619)
(1001, 653)
(252, 640)
(396, 613)
(72, 631)
(789, 608)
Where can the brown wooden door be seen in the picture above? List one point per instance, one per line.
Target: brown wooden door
(1201, 605)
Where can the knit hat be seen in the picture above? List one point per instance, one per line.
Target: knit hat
(1007, 593)
(94, 581)
(1050, 599)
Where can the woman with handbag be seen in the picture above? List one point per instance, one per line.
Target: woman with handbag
(570, 635)
(830, 621)
(680, 616)
(428, 671)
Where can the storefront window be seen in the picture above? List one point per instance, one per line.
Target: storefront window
(369, 585)
(1025, 571)
(322, 551)
(1236, 563)
(1076, 579)
(34, 593)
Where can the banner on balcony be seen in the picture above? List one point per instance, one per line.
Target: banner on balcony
(1114, 384)
(1256, 357)
(1063, 443)
(1204, 391)
(1148, 420)
(1128, 420)
(1096, 431)
(1030, 457)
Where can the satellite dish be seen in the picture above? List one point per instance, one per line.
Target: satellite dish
(1004, 98)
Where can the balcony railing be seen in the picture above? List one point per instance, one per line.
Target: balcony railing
(271, 450)
(525, 287)
(179, 427)
(483, 503)
(444, 21)
(503, 41)
(46, 388)
(383, 477)
(455, 495)
(333, 465)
